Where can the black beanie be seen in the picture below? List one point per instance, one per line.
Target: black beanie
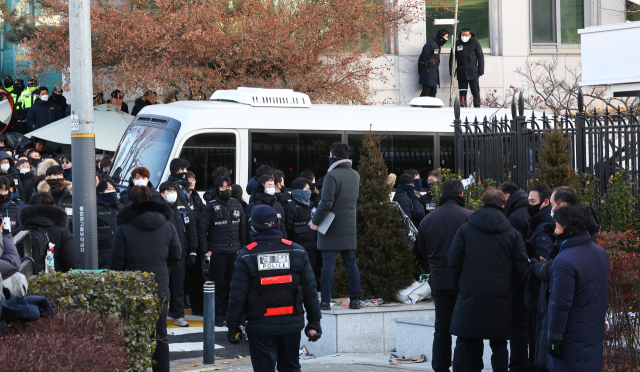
(264, 218)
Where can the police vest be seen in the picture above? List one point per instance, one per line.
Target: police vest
(274, 289)
(27, 98)
(10, 89)
(433, 59)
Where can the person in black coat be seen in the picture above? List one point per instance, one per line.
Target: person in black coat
(253, 184)
(8, 209)
(149, 98)
(60, 100)
(8, 169)
(61, 190)
(108, 209)
(41, 213)
(429, 63)
(298, 215)
(146, 240)
(139, 177)
(486, 255)
(43, 112)
(198, 203)
(222, 232)
(27, 177)
(266, 195)
(273, 284)
(578, 297)
(470, 66)
(183, 221)
(518, 215)
(409, 202)
(567, 196)
(237, 193)
(180, 176)
(435, 234)
(539, 248)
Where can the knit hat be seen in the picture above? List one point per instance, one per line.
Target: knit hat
(264, 218)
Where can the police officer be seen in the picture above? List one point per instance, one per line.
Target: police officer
(182, 220)
(470, 66)
(272, 280)
(429, 62)
(27, 97)
(298, 214)
(8, 84)
(18, 119)
(222, 233)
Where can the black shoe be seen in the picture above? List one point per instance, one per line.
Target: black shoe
(325, 306)
(220, 321)
(354, 303)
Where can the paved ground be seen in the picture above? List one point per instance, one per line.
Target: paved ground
(334, 363)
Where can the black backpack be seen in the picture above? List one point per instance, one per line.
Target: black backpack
(39, 247)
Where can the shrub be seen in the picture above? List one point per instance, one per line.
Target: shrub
(73, 340)
(621, 338)
(619, 207)
(384, 257)
(128, 296)
(472, 194)
(554, 162)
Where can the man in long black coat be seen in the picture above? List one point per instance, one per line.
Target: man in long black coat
(435, 234)
(470, 65)
(485, 255)
(429, 63)
(518, 215)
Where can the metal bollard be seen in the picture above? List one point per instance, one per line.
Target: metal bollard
(209, 345)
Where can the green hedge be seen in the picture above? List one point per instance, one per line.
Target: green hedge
(128, 296)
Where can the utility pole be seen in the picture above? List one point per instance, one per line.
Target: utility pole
(453, 56)
(85, 230)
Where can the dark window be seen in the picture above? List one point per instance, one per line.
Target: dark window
(400, 152)
(292, 153)
(447, 159)
(209, 151)
(142, 146)
(473, 14)
(553, 18)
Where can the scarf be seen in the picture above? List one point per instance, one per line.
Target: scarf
(334, 162)
(302, 196)
(57, 184)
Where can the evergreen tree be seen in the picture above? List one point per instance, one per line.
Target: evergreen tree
(383, 255)
(554, 161)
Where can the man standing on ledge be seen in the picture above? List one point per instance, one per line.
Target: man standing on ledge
(470, 66)
(339, 196)
(429, 63)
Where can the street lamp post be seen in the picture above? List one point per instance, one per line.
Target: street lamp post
(83, 134)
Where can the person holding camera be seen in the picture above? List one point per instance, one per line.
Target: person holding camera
(272, 282)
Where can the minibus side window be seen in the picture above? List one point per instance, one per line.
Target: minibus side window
(447, 159)
(208, 151)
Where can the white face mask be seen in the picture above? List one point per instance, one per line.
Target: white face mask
(141, 182)
(109, 191)
(171, 198)
(5, 167)
(465, 39)
(44, 98)
(23, 171)
(270, 190)
(551, 213)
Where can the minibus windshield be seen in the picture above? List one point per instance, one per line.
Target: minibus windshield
(142, 146)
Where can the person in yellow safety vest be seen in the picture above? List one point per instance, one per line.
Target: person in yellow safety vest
(27, 98)
(8, 84)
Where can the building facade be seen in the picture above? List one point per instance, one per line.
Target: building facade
(511, 32)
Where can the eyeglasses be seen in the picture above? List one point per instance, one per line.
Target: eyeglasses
(65, 162)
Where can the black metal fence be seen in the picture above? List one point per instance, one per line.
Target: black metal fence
(506, 149)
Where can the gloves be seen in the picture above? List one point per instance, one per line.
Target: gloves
(234, 335)
(554, 348)
(191, 261)
(313, 326)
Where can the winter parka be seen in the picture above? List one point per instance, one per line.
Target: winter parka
(107, 224)
(469, 59)
(297, 220)
(410, 204)
(260, 198)
(222, 227)
(429, 63)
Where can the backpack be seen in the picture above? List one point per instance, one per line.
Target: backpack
(39, 247)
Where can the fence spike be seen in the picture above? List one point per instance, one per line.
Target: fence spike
(619, 112)
(580, 101)
(520, 104)
(513, 107)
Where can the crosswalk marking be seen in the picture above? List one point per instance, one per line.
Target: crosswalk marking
(189, 346)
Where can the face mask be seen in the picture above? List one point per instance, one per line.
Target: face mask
(225, 195)
(171, 198)
(5, 167)
(34, 162)
(109, 196)
(312, 186)
(44, 98)
(465, 39)
(417, 183)
(533, 209)
(140, 182)
(23, 171)
(270, 190)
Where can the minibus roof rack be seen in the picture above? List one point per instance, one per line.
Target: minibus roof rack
(263, 97)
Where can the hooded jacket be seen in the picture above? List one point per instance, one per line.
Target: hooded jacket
(518, 214)
(26, 179)
(42, 113)
(410, 204)
(61, 101)
(13, 174)
(486, 255)
(10, 209)
(578, 304)
(146, 240)
(63, 198)
(429, 62)
(222, 227)
(297, 217)
(44, 165)
(54, 221)
(469, 59)
(107, 224)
